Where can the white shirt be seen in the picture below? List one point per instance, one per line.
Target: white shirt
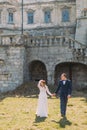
(64, 81)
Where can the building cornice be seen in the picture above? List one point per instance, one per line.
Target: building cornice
(48, 2)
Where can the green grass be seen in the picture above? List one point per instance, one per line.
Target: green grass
(18, 113)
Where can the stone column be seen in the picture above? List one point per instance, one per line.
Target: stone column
(50, 76)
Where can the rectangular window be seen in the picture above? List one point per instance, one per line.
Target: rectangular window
(10, 18)
(30, 18)
(47, 16)
(65, 15)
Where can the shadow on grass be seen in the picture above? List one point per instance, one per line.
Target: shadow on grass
(39, 119)
(63, 122)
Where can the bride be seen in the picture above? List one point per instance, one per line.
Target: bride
(42, 107)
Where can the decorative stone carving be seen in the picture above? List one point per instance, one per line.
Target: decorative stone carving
(1, 62)
(20, 40)
(78, 54)
(11, 10)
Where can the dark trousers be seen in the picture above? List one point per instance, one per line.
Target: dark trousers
(63, 104)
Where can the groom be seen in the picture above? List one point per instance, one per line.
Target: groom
(64, 89)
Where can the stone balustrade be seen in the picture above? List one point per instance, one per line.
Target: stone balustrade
(54, 41)
(6, 40)
(45, 41)
(12, 40)
(79, 50)
(41, 41)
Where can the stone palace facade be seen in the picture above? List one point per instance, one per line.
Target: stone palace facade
(40, 39)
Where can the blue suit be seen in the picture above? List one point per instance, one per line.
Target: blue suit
(64, 89)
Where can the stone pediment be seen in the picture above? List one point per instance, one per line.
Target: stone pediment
(65, 7)
(47, 8)
(11, 9)
(29, 10)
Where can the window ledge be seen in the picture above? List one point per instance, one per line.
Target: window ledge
(10, 23)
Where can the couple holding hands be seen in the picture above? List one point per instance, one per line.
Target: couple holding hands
(64, 89)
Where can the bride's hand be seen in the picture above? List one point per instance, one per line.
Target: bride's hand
(53, 94)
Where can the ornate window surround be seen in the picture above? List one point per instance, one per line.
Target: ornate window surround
(30, 11)
(84, 12)
(49, 9)
(11, 10)
(66, 7)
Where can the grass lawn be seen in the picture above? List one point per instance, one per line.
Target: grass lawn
(18, 113)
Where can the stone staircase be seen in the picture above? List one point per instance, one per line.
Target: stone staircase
(78, 49)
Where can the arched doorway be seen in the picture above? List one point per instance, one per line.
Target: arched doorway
(37, 71)
(77, 72)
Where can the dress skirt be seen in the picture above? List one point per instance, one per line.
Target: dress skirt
(42, 107)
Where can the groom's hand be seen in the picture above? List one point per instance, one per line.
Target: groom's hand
(69, 96)
(54, 94)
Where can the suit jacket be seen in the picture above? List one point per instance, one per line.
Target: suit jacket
(64, 89)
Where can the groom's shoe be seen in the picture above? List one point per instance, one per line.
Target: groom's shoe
(62, 115)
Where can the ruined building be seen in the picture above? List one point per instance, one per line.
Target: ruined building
(40, 39)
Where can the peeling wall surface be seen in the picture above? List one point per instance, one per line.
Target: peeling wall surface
(11, 67)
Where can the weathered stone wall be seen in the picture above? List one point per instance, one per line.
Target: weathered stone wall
(81, 26)
(58, 55)
(81, 30)
(11, 67)
(32, 58)
(79, 72)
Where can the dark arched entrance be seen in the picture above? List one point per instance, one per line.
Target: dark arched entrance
(37, 71)
(77, 72)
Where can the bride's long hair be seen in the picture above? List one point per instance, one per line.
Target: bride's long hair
(42, 83)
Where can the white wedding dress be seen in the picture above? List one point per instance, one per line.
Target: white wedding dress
(42, 107)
